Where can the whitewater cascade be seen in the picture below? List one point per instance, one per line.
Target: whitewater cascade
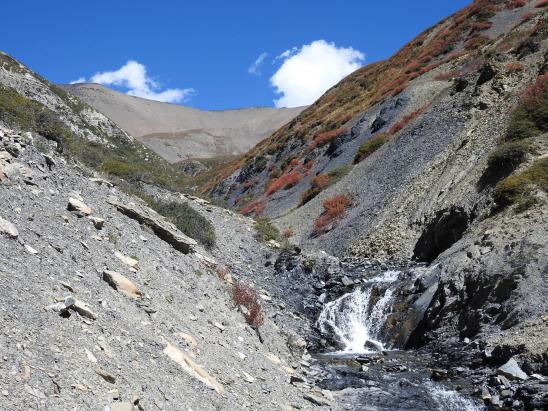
(355, 322)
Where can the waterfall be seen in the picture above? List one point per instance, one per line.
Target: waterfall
(352, 318)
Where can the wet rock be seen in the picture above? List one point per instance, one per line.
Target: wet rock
(8, 229)
(122, 284)
(78, 206)
(512, 370)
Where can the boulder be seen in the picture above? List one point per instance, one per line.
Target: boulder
(512, 370)
(78, 206)
(164, 230)
(121, 284)
(97, 222)
(82, 308)
(8, 229)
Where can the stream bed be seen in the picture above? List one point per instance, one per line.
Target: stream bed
(369, 372)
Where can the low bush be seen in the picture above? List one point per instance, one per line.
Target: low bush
(186, 219)
(286, 181)
(265, 231)
(515, 67)
(317, 185)
(321, 139)
(255, 207)
(541, 4)
(288, 233)
(369, 147)
(405, 120)
(339, 173)
(530, 117)
(519, 188)
(334, 210)
(476, 42)
(516, 4)
(245, 296)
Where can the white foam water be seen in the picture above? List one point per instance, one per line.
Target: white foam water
(353, 321)
(451, 400)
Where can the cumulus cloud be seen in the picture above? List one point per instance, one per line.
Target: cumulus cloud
(78, 80)
(256, 67)
(309, 71)
(133, 77)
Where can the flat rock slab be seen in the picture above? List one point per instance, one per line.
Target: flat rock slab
(512, 370)
(122, 284)
(193, 369)
(163, 229)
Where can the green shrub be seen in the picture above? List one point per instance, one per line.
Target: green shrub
(185, 218)
(369, 147)
(512, 153)
(531, 116)
(519, 188)
(265, 231)
(339, 173)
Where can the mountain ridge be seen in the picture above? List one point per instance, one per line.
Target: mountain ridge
(178, 132)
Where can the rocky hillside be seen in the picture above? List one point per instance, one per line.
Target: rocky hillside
(383, 154)
(107, 305)
(179, 133)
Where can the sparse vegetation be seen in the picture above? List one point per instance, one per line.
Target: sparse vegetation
(334, 210)
(370, 146)
(185, 218)
(265, 231)
(285, 181)
(518, 189)
(255, 207)
(245, 296)
(515, 67)
(531, 116)
(322, 139)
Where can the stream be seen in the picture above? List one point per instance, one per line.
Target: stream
(368, 372)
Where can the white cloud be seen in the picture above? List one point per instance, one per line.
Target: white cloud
(79, 80)
(308, 72)
(256, 67)
(133, 77)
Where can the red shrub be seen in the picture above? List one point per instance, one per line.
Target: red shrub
(324, 138)
(334, 209)
(476, 42)
(527, 17)
(541, 4)
(308, 165)
(516, 4)
(480, 26)
(406, 120)
(515, 67)
(448, 75)
(321, 181)
(536, 93)
(295, 162)
(288, 233)
(256, 207)
(285, 181)
(244, 295)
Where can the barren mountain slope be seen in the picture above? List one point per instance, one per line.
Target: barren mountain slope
(100, 311)
(177, 132)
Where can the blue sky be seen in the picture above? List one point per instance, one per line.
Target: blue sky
(202, 52)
